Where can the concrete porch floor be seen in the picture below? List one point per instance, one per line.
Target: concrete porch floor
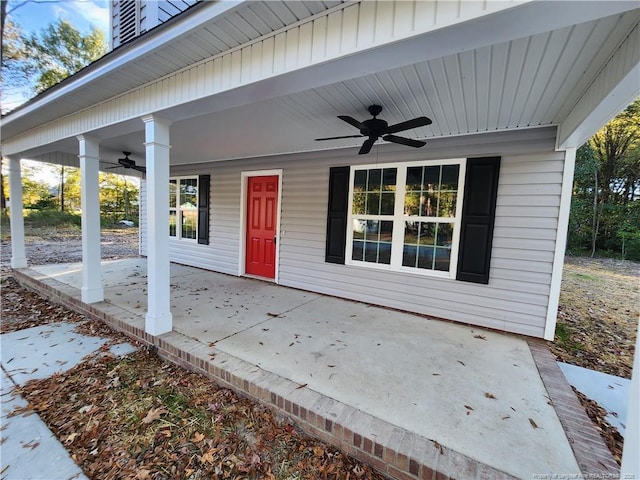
(413, 396)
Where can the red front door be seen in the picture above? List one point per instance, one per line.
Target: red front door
(262, 221)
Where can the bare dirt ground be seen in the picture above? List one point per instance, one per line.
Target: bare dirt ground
(597, 322)
(598, 314)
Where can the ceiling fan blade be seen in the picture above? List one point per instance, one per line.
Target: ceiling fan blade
(404, 141)
(338, 138)
(409, 124)
(366, 146)
(351, 121)
(138, 168)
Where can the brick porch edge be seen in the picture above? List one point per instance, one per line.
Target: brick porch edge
(593, 456)
(393, 451)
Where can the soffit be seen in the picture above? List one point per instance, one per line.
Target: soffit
(248, 21)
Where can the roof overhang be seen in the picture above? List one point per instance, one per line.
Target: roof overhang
(572, 65)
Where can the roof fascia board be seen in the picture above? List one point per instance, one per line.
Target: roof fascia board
(179, 26)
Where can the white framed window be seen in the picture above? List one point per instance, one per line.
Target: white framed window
(406, 216)
(183, 208)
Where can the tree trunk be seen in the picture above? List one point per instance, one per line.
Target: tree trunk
(62, 188)
(595, 223)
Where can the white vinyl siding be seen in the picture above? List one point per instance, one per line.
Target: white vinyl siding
(517, 295)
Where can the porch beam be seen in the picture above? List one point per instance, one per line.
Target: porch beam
(92, 290)
(18, 255)
(158, 319)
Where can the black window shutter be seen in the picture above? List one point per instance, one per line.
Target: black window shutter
(204, 185)
(478, 216)
(337, 214)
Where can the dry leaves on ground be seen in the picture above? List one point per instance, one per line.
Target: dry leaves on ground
(138, 417)
(598, 315)
(160, 421)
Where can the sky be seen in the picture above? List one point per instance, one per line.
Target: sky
(34, 15)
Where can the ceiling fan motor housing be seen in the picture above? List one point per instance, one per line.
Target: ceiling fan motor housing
(374, 127)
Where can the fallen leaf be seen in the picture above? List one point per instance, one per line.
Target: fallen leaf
(506, 417)
(358, 470)
(273, 314)
(461, 363)
(481, 337)
(489, 395)
(143, 474)
(153, 415)
(468, 407)
(438, 446)
(301, 386)
(31, 445)
(197, 437)
(533, 424)
(208, 456)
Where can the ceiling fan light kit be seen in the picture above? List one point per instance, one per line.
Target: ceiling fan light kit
(375, 128)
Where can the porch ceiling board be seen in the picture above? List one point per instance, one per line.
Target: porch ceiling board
(527, 81)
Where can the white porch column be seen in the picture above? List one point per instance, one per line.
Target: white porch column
(92, 290)
(630, 467)
(159, 319)
(18, 256)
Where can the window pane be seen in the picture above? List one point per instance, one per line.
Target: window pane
(172, 223)
(359, 201)
(375, 179)
(373, 204)
(427, 233)
(450, 177)
(189, 193)
(409, 256)
(371, 252)
(189, 223)
(387, 203)
(411, 233)
(414, 178)
(360, 181)
(442, 262)
(389, 179)
(372, 230)
(445, 234)
(428, 204)
(386, 231)
(358, 251)
(447, 205)
(384, 253)
(359, 228)
(172, 193)
(431, 178)
(425, 258)
(412, 203)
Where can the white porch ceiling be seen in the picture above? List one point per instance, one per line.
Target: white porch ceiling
(527, 82)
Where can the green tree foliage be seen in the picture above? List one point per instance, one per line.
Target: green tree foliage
(118, 198)
(33, 63)
(605, 208)
(59, 50)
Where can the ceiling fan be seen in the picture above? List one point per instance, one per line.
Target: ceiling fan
(126, 162)
(375, 128)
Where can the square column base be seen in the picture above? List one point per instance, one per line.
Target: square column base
(93, 295)
(19, 262)
(158, 324)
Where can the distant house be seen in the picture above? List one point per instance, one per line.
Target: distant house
(223, 104)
